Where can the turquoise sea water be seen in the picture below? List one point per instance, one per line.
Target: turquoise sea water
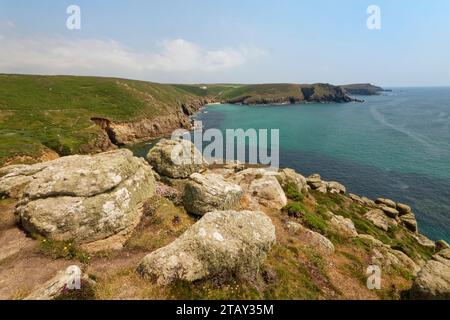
(396, 145)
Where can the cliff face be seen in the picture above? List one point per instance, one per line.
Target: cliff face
(130, 132)
(364, 89)
(288, 94)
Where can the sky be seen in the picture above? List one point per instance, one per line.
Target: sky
(231, 41)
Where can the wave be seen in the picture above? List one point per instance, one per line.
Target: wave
(378, 116)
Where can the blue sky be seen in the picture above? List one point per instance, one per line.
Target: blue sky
(246, 41)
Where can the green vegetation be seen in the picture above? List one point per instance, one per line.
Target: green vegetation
(292, 192)
(56, 111)
(295, 210)
(61, 250)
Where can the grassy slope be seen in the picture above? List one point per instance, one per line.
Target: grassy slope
(56, 111)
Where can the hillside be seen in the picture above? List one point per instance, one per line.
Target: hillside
(43, 113)
(364, 89)
(284, 93)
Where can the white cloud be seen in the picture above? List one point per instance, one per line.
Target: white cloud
(53, 55)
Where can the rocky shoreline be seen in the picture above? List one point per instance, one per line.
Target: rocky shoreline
(246, 225)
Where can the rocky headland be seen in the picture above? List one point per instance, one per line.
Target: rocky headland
(151, 229)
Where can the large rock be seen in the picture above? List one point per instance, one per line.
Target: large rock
(209, 192)
(409, 221)
(220, 243)
(378, 218)
(290, 177)
(311, 239)
(261, 188)
(176, 159)
(403, 209)
(335, 187)
(386, 202)
(315, 182)
(442, 245)
(391, 260)
(13, 179)
(343, 226)
(87, 199)
(390, 212)
(425, 242)
(433, 281)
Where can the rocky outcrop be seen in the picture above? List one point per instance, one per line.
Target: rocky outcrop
(315, 182)
(403, 209)
(389, 259)
(386, 202)
(209, 192)
(442, 245)
(220, 243)
(311, 238)
(131, 132)
(433, 280)
(409, 221)
(261, 188)
(83, 198)
(176, 159)
(378, 218)
(290, 177)
(390, 212)
(425, 242)
(342, 226)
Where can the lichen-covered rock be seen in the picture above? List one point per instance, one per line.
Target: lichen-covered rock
(87, 198)
(176, 159)
(371, 239)
(261, 188)
(290, 177)
(311, 239)
(378, 218)
(433, 280)
(356, 198)
(390, 212)
(343, 226)
(390, 260)
(368, 202)
(403, 209)
(209, 192)
(13, 179)
(335, 187)
(442, 245)
(315, 182)
(409, 221)
(220, 243)
(425, 242)
(386, 202)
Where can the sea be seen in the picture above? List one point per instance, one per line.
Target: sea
(395, 145)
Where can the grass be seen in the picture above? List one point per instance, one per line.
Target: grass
(292, 192)
(61, 250)
(55, 111)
